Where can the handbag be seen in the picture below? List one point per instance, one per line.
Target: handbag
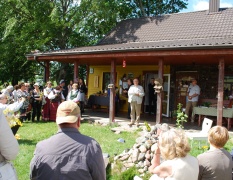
(7, 171)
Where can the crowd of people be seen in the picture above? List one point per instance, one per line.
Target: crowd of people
(42, 101)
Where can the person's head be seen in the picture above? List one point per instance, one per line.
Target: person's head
(49, 84)
(194, 82)
(75, 86)
(68, 115)
(152, 80)
(173, 144)
(158, 85)
(135, 81)
(71, 82)
(62, 83)
(16, 87)
(22, 86)
(81, 81)
(27, 85)
(3, 99)
(218, 136)
(58, 88)
(130, 82)
(36, 86)
(10, 88)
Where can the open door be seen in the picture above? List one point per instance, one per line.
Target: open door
(166, 95)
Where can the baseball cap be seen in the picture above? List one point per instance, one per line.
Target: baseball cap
(67, 112)
(62, 81)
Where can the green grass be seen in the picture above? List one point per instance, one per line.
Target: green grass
(31, 133)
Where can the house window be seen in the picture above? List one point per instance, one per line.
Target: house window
(106, 81)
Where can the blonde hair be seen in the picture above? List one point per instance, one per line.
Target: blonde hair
(75, 85)
(173, 144)
(218, 136)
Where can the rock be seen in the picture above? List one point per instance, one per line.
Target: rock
(141, 171)
(148, 156)
(145, 169)
(125, 157)
(130, 159)
(135, 155)
(143, 148)
(141, 140)
(154, 147)
(117, 132)
(136, 146)
(147, 163)
(116, 158)
(141, 164)
(141, 156)
(148, 144)
(125, 151)
(128, 165)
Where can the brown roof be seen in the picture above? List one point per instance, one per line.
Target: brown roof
(180, 30)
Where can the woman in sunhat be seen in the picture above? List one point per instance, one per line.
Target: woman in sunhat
(36, 103)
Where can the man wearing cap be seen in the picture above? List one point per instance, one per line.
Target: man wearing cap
(193, 94)
(64, 88)
(68, 154)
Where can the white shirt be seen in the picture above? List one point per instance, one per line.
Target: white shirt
(133, 90)
(53, 95)
(194, 90)
(47, 91)
(12, 107)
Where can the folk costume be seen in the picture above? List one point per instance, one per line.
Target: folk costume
(56, 97)
(46, 106)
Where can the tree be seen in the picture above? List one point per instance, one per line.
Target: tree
(46, 25)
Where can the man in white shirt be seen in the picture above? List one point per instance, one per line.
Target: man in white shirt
(135, 94)
(193, 94)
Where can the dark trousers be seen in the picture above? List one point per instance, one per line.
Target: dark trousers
(81, 105)
(36, 106)
(154, 107)
(129, 111)
(23, 116)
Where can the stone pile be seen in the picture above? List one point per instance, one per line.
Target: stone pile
(141, 154)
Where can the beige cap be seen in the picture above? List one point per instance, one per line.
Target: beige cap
(67, 112)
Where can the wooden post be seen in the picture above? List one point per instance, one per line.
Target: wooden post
(159, 95)
(47, 69)
(221, 68)
(112, 92)
(76, 64)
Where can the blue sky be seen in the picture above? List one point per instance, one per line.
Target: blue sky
(196, 5)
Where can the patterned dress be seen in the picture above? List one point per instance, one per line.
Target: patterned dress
(46, 106)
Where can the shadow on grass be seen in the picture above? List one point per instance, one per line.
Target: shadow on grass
(27, 142)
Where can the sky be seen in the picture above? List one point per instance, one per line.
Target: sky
(197, 5)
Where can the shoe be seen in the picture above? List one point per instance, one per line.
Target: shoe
(137, 124)
(131, 124)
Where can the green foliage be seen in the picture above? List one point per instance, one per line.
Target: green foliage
(26, 25)
(206, 104)
(148, 128)
(181, 116)
(129, 174)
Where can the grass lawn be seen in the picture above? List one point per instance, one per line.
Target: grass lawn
(31, 133)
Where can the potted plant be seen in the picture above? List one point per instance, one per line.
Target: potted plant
(13, 120)
(181, 116)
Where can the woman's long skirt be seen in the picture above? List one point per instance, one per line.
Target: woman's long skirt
(53, 111)
(46, 110)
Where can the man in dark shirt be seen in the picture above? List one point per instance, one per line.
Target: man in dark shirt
(64, 88)
(68, 154)
(152, 97)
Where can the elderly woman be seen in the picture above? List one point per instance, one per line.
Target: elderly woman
(12, 107)
(73, 94)
(178, 165)
(217, 162)
(9, 149)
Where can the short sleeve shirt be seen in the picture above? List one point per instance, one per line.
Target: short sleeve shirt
(194, 90)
